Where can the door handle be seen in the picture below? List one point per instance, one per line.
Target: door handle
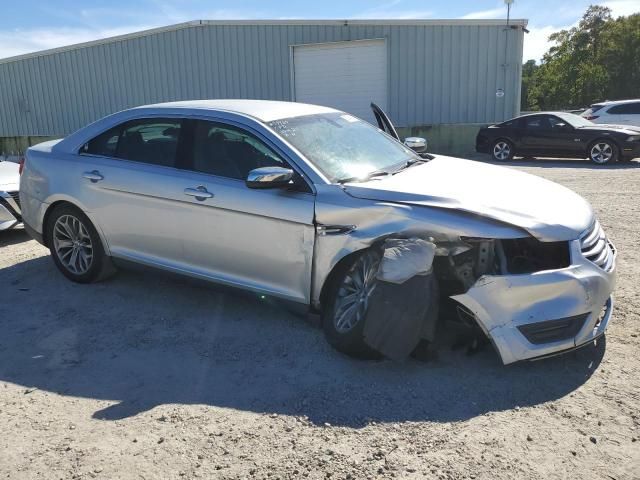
(93, 176)
(199, 192)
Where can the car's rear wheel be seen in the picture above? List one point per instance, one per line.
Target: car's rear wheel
(502, 151)
(602, 152)
(75, 246)
(347, 302)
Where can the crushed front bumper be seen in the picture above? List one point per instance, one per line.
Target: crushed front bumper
(10, 213)
(508, 306)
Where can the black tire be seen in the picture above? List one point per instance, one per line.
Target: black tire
(502, 150)
(98, 268)
(603, 152)
(350, 342)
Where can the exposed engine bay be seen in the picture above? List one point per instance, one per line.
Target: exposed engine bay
(458, 266)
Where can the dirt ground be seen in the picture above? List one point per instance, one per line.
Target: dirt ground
(149, 376)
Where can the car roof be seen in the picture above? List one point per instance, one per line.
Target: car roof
(615, 102)
(533, 114)
(263, 110)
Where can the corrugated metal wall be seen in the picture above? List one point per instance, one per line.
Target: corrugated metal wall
(438, 73)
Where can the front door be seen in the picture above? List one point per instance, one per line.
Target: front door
(257, 239)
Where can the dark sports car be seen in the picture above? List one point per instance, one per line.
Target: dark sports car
(559, 134)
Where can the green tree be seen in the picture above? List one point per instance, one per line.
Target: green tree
(528, 80)
(597, 60)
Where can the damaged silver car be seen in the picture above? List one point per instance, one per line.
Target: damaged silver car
(314, 205)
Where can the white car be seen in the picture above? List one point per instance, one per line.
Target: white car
(619, 112)
(10, 214)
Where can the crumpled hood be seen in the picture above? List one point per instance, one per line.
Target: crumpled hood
(548, 211)
(9, 176)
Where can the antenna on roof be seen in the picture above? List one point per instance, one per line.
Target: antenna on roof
(508, 4)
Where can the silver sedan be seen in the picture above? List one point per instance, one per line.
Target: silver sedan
(316, 206)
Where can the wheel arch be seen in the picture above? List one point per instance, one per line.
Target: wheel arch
(60, 202)
(341, 265)
(612, 140)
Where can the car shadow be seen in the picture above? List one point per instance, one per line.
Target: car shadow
(556, 163)
(13, 236)
(141, 340)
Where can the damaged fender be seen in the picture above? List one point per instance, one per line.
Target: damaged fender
(366, 223)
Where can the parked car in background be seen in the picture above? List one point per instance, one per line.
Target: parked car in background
(559, 134)
(619, 112)
(10, 214)
(312, 205)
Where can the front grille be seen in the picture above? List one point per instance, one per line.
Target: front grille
(596, 247)
(553, 330)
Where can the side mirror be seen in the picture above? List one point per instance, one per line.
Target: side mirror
(564, 126)
(417, 144)
(269, 177)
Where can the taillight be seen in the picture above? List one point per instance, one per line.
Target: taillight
(591, 117)
(21, 167)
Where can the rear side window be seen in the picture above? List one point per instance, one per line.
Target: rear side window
(153, 141)
(536, 123)
(104, 144)
(625, 109)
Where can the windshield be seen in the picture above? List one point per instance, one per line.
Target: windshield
(575, 120)
(342, 146)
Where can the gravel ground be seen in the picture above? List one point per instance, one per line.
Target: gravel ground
(149, 376)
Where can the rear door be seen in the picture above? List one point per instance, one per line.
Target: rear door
(131, 185)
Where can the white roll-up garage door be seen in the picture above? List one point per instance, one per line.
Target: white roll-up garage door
(343, 75)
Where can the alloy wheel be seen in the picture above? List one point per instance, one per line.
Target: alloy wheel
(352, 300)
(72, 244)
(501, 150)
(601, 152)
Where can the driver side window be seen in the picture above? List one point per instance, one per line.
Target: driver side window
(228, 151)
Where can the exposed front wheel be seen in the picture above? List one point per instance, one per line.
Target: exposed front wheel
(347, 303)
(75, 246)
(502, 151)
(603, 151)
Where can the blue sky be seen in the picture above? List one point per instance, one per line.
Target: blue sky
(29, 25)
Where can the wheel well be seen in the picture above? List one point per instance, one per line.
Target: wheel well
(503, 139)
(47, 213)
(338, 268)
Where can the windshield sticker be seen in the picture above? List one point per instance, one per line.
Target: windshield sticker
(349, 118)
